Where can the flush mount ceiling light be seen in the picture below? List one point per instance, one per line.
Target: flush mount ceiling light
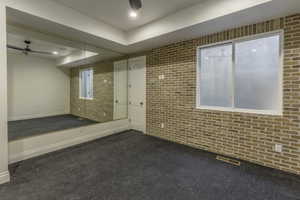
(55, 52)
(133, 14)
(135, 5)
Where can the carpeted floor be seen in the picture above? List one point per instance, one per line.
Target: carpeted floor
(32, 127)
(132, 166)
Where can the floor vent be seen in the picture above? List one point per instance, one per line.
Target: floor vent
(229, 160)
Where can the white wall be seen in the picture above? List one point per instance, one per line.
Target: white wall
(36, 87)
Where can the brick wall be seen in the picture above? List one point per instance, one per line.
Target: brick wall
(245, 136)
(103, 94)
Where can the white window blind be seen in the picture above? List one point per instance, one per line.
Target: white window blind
(86, 83)
(216, 75)
(241, 75)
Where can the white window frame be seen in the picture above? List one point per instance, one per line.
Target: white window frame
(233, 42)
(92, 83)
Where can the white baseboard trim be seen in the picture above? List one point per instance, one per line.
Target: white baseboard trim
(33, 116)
(35, 146)
(4, 177)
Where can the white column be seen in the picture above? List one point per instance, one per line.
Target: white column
(4, 174)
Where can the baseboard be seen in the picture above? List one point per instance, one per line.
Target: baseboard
(35, 146)
(33, 116)
(4, 177)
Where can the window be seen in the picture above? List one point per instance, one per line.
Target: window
(86, 84)
(241, 75)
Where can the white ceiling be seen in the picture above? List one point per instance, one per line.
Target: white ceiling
(204, 18)
(115, 12)
(70, 53)
(38, 45)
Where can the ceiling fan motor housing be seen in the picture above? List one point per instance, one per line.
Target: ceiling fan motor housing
(27, 42)
(135, 4)
(27, 49)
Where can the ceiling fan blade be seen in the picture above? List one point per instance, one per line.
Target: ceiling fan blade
(15, 48)
(41, 52)
(28, 50)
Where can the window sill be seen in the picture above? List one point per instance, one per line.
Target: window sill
(82, 98)
(238, 110)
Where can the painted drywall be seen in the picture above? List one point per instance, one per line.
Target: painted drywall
(204, 18)
(53, 11)
(196, 14)
(36, 87)
(4, 174)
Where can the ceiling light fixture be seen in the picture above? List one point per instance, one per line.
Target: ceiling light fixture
(135, 5)
(133, 14)
(54, 52)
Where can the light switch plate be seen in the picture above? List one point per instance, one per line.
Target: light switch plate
(278, 148)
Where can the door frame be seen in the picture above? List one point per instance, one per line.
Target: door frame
(144, 60)
(114, 81)
(4, 173)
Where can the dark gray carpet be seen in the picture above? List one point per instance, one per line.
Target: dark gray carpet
(32, 127)
(132, 166)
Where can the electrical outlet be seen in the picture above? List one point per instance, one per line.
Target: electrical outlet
(162, 125)
(278, 148)
(161, 77)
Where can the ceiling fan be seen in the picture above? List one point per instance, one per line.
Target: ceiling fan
(28, 50)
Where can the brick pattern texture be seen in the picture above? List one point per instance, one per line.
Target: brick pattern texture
(249, 137)
(103, 94)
